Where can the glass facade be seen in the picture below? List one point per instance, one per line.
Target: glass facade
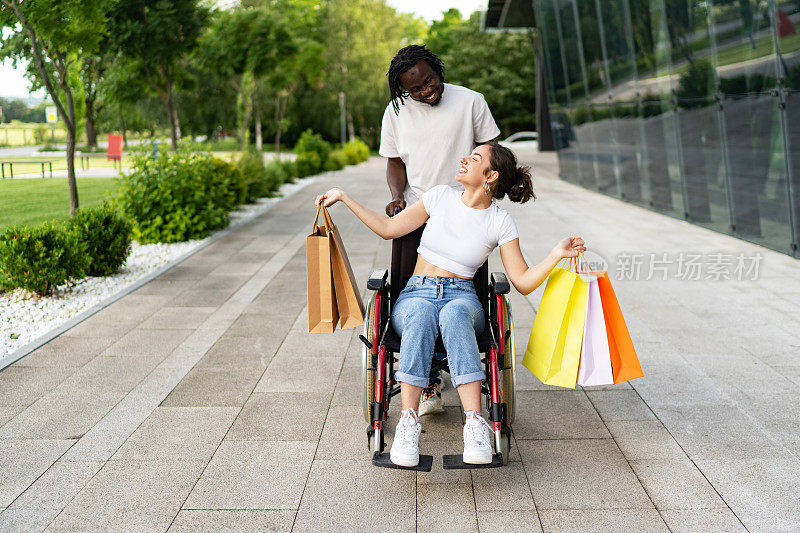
(687, 107)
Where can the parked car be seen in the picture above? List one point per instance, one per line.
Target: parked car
(522, 140)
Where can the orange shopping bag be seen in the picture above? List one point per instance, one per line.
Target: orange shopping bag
(624, 363)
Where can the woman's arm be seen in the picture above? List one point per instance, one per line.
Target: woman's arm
(385, 227)
(524, 278)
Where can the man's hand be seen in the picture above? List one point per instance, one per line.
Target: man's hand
(395, 203)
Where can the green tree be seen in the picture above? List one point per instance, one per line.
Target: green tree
(152, 36)
(52, 36)
(498, 65)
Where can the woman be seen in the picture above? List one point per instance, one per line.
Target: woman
(463, 228)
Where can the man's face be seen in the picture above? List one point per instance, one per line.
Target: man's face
(422, 83)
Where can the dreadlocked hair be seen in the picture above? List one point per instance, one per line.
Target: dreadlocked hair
(405, 59)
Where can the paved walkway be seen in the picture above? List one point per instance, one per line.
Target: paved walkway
(199, 402)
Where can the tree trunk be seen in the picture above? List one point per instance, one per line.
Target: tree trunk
(70, 124)
(123, 128)
(91, 132)
(172, 115)
(247, 101)
(278, 119)
(259, 137)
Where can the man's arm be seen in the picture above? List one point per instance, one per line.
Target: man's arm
(396, 178)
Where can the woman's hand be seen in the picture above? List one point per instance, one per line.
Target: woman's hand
(331, 197)
(570, 247)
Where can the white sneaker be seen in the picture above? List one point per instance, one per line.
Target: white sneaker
(477, 439)
(405, 447)
(431, 401)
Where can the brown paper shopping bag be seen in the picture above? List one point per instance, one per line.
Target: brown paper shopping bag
(322, 310)
(348, 299)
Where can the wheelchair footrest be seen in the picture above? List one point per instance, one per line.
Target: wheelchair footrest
(382, 460)
(450, 462)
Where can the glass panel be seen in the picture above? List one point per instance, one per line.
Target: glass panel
(699, 116)
(747, 68)
(787, 25)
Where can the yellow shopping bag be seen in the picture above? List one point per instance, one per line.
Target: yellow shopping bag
(554, 347)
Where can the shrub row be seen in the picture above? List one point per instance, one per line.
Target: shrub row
(315, 154)
(96, 242)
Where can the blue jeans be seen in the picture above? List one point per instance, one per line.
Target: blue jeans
(429, 305)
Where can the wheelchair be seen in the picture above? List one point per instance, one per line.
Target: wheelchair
(381, 349)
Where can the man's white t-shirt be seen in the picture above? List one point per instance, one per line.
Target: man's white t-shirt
(459, 238)
(431, 139)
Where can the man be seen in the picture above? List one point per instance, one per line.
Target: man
(427, 127)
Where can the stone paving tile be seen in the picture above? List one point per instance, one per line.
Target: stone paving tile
(232, 521)
(446, 508)
(580, 521)
(643, 440)
(178, 433)
(113, 373)
(22, 461)
(201, 297)
(66, 352)
(20, 386)
(254, 475)
(720, 431)
(556, 415)
(177, 318)
(581, 474)
(761, 482)
(223, 281)
(7, 412)
(362, 510)
(139, 342)
(770, 518)
(614, 405)
(241, 352)
(64, 413)
(447, 426)
(509, 522)
(344, 435)
(438, 475)
(281, 416)
(165, 287)
(130, 496)
(237, 268)
(58, 485)
(26, 520)
(676, 484)
(502, 489)
(694, 520)
(214, 386)
(290, 373)
(275, 323)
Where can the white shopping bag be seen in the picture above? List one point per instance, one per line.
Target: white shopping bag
(595, 365)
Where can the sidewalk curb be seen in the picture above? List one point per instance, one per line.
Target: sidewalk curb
(19, 353)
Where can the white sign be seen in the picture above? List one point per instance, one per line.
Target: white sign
(51, 114)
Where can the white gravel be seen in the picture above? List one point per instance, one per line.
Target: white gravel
(24, 316)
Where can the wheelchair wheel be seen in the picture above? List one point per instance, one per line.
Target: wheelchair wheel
(508, 376)
(368, 375)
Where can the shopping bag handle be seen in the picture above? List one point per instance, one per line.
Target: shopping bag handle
(326, 218)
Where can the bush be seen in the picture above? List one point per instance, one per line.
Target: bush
(39, 258)
(313, 142)
(289, 169)
(306, 164)
(251, 165)
(337, 160)
(230, 178)
(106, 235)
(356, 151)
(277, 174)
(176, 197)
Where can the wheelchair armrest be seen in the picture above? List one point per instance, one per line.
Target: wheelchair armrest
(499, 283)
(377, 280)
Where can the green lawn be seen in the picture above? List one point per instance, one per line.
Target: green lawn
(31, 201)
(21, 165)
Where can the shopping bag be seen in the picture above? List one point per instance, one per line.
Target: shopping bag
(323, 313)
(624, 362)
(348, 299)
(554, 347)
(595, 365)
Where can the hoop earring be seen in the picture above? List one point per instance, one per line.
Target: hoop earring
(486, 189)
